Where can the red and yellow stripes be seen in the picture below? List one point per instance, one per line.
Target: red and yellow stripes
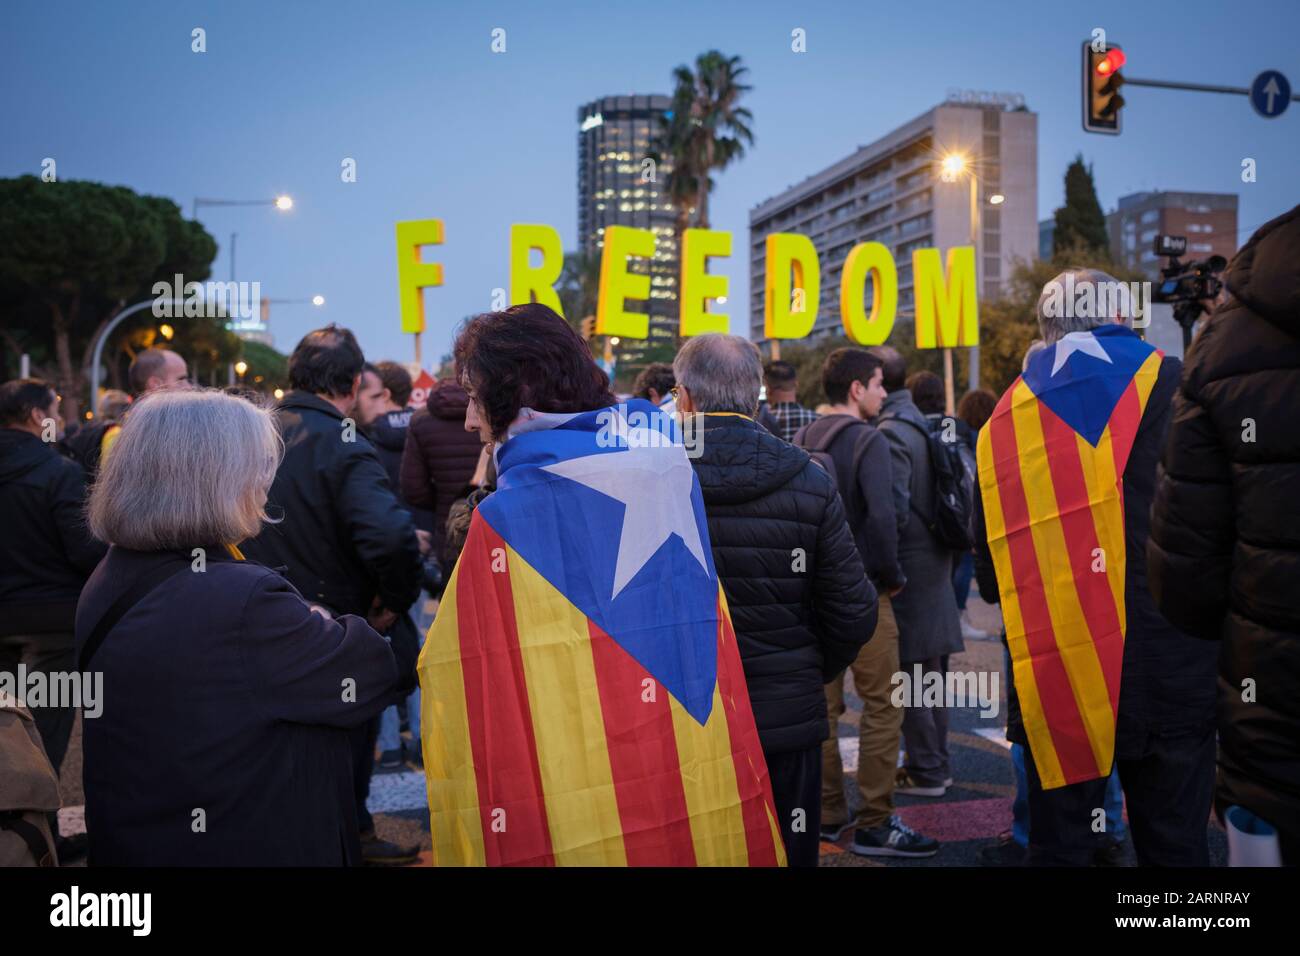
(1055, 514)
(548, 744)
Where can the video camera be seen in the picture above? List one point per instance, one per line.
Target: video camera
(1186, 285)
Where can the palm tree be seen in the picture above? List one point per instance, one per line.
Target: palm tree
(706, 130)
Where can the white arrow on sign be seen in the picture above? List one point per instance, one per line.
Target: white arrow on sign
(1272, 90)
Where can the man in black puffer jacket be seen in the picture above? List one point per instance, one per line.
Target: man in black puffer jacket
(800, 600)
(1224, 553)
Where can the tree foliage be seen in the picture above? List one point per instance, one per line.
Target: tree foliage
(1080, 223)
(75, 254)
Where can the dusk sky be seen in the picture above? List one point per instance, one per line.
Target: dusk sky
(442, 127)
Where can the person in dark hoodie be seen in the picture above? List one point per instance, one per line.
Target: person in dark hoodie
(851, 379)
(1224, 551)
(440, 457)
(46, 551)
(801, 602)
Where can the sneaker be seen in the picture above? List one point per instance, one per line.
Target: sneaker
(970, 632)
(831, 832)
(947, 781)
(905, 785)
(377, 852)
(895, 838)
(391, 759)
(1004, 852)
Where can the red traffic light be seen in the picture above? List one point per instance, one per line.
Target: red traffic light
(1111, 62)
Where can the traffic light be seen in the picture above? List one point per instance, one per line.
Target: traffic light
(589, 327)
(1101, 82)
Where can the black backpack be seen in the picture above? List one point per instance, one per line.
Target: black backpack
(952, 496)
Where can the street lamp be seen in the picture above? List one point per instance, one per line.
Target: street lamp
(952, 167)
(318, 300)
(240, 368)
(282, 202)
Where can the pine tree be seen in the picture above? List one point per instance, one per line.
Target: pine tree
(1080, 222)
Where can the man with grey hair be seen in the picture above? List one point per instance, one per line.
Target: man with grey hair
(1078, 300)
(1164, 743)
(800, 601)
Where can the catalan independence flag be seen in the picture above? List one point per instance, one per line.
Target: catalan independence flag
(583, 698)
(1051, 463)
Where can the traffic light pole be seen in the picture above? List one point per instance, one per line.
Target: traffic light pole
(1194, 87)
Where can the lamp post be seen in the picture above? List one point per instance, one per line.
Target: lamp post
(953, 166)
(282, 202)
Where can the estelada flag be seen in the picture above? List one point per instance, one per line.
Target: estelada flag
(1051, 466)
(583, 698)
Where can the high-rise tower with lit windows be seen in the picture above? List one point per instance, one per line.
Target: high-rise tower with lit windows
(620, 185)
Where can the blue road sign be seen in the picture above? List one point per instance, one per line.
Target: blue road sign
(1270, 94)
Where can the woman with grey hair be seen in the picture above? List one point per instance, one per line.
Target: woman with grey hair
(224, 700)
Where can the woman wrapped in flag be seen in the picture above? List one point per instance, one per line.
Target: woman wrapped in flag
(583, 697)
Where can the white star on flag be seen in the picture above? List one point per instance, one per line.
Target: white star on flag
(1084, 342)
(653, 480)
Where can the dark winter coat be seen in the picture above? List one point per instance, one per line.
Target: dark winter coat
(440, 456)
(1225, 537)
(223, 738)
(926, 609)
(46, 552)
(865, 483)
(344, 537)
(800, 600)
(388, 434)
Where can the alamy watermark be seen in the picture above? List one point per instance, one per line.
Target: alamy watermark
(1098, 300)
(55, 689)
(921, 688)
(624, 427)
(181, 299)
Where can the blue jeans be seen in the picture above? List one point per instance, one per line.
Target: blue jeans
(961, 578)
(1114, 805)
(1020, 805)
(390, 722)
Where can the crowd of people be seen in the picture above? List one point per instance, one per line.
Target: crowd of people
(250, 698)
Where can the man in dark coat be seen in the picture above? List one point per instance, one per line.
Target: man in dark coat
(345, 541)
(440, 458)
(929, 625)
(46, 552)
(800, 600)
(1224, 550)
(860, 455)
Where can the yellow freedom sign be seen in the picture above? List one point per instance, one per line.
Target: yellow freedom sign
(946, 303)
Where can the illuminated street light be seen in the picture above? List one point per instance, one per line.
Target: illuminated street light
(997, 199)
(318, 300)
(283, 203)
(166, 331)
(953, 165)
(240, 368)
(278, 393)
(614, 340)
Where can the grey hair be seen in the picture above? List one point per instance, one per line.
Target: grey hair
(1059, 304)
(723, 373)
(1036, 346)
(190, 467)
